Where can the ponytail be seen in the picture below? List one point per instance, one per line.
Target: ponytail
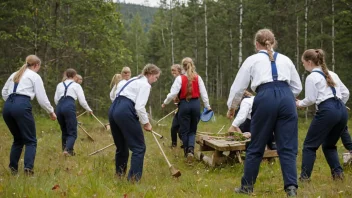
(189, 67)
(19, 73)
(321, 62)
(270, 52)
(31, 60)
(317, 56)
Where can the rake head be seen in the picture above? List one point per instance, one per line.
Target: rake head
(175, 172)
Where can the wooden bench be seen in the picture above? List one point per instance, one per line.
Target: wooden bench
(219, 145)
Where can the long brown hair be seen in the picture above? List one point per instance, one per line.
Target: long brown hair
(317, 56)
(31, 60)
(266, 38)
(188, 66)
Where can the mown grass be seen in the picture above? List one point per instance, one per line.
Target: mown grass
(93, 176)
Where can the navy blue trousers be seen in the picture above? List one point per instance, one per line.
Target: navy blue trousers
(175, 127)
(274, 109)
(17, 114)
(66, 116)
(128, 135)
(346, 139)
(326, 129)
(188, 117)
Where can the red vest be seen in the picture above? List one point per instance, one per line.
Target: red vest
(195, 87)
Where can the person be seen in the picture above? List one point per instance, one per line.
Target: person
(125, 113)
(176, 70)
(242, 122)
(126, 73)
(116, 79)
(189, 87)
(325, 89)
(275, 79)
(78, 79)
(66, 94)
(21, 87)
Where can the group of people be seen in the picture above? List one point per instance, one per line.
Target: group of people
(21, 87)
(269, 116)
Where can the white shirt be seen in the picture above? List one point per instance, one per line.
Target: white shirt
(257, 69)
(138, 91)
(31, 84)
(318, 91)
(176, 87)
(74, 90)
(114, 92)
(244, 112)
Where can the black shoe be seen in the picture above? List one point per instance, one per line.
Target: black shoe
(304, 179)
(291, 191)
(244, 190)
(28, 172)
(173, 145)
(182, 146)
(338, 176)
(13, 171)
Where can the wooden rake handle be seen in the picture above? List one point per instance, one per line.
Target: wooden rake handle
(162, 151)
(99, 120)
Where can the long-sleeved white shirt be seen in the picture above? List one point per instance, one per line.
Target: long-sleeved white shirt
(113, 91)
(176, 87)
(244, 112)
(257, 70)
(30, 84)
(138, 91)
(74, 90)
(317, 90)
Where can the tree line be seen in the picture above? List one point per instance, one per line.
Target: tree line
(93, 37)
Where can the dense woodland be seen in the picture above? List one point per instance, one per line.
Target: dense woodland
(99, 37)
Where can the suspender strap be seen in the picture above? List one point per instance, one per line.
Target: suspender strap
(66, 87)
(332, 88)
(273, 65)
(128, 82)
(15, 87)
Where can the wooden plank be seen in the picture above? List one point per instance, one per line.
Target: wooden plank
(224, 145)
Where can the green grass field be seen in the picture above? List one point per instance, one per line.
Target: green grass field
(93, 176)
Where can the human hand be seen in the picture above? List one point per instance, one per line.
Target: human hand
(52, 116)
(147, 127)
(163, 105)
(230, 113)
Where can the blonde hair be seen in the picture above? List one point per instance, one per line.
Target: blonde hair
(31, 60)
(177, 67)
(247, 94)
(150, 69)
(188, 66)
(317, 56)
(115, 80)
(266, 38)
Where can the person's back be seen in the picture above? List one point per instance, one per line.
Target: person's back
(275, 80)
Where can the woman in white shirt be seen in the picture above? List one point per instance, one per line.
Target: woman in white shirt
(189, 87)
(324, 89)
(275, 79)
(125, 115)
(176, 70)
(21, 87)
(119, 78)
(67, 92)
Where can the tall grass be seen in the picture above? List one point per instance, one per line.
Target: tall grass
(93, 176)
